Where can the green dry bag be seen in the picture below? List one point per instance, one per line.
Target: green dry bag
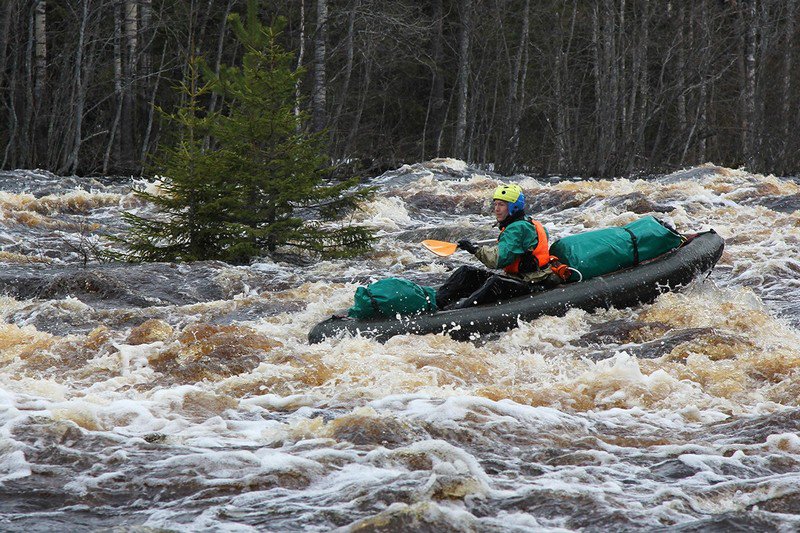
(392, 296)
(599, 252)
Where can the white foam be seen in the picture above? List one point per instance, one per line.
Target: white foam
(784, 442)
(273, 401)
(449, 163)
(388, 213)
(611, 419)
(13, 465)
(134, 357)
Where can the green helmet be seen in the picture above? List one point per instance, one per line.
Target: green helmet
(513, 195)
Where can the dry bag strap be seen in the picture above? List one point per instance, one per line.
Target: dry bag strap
(635, 242)
(373, 301)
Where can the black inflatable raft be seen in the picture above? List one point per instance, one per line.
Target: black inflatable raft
(624, 288)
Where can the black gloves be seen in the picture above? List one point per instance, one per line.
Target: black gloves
(467, 245)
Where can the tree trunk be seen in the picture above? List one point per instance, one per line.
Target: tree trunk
(484, 157)
(6, 12)
(600, 57)
(680, 68)
(127, 132)
(131, 32)
(318, 100)
(705, 31)
(365, 86)
(691, 45)
(523, 84)
(606, 84)
(612, 98)
(80, 92)
(4, 36)
(10, 152)
(151, 111)
(462, 86)
(348, 68)
(145, 30)
(765, 79)
(560, 82)
(516, 91)
(643, 84)
(621, 78)
(200, 25)
(637, 65)
(786, 96)
(212, 106)
(749, 92)
(24, 141)
(40, 33)
(113, 138)
(300, 55)
(436, 103)
(38, 140)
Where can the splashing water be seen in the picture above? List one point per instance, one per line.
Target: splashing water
(186, 397)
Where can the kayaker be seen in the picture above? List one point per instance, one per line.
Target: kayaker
(522, 251)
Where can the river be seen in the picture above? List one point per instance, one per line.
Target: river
(185, 397)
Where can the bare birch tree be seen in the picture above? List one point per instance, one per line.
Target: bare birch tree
(749, 82)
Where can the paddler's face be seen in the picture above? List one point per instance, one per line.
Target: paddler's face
(500, 210)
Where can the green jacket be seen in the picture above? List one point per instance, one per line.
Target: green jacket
(518, 238)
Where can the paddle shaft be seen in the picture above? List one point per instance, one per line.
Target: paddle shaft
(444, 248)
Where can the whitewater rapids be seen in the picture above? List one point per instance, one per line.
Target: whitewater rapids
(186, 397)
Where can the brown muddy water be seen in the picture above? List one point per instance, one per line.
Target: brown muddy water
(167, 397)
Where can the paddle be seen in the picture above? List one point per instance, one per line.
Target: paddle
(444, 248)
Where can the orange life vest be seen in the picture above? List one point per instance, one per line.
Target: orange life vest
(541, 254)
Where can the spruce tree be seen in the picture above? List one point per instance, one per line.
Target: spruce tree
(261, 187)
(191, 195)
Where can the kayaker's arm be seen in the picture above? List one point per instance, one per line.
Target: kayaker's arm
(489, 255)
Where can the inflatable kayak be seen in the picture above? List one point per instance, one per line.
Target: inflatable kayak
(624, 288)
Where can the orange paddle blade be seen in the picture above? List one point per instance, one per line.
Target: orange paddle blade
(440, 248)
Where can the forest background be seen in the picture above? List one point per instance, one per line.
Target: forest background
(593, 88)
